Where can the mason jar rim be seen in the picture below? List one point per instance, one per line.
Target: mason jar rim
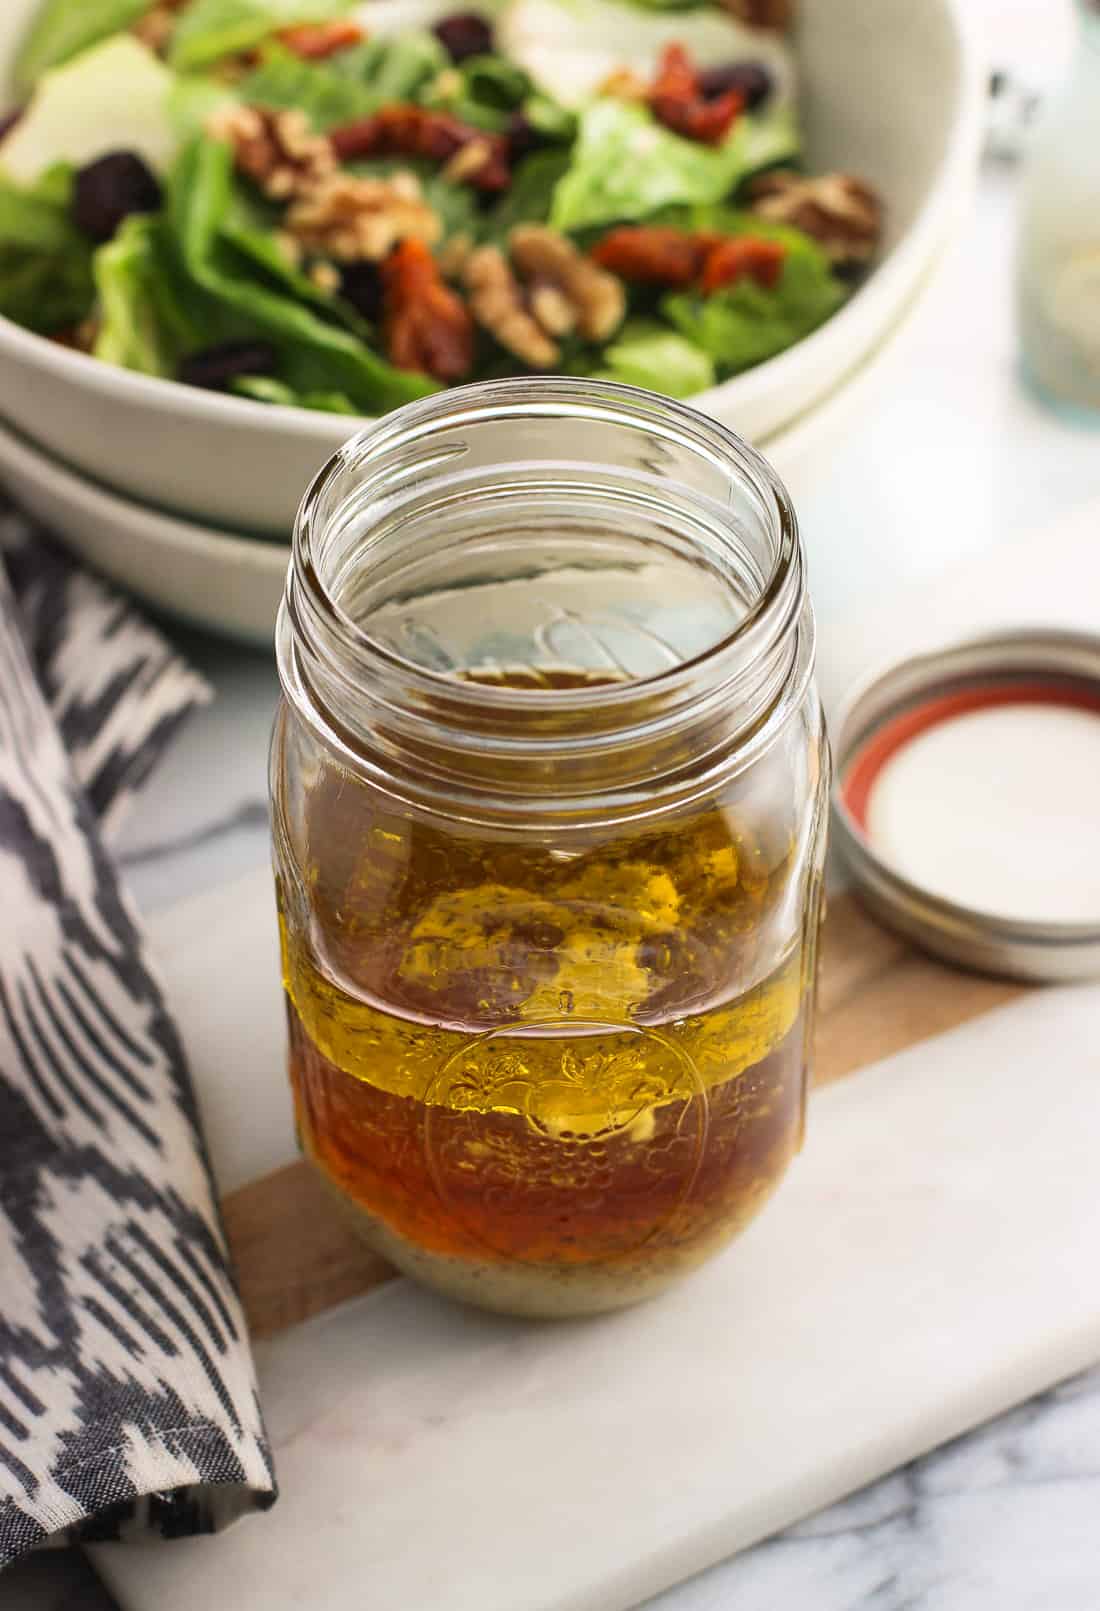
(468, 748)
(550, 397)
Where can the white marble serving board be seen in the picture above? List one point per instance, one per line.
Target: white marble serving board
(931, 1260)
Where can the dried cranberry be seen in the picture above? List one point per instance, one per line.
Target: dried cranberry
(216, 368)
(361, 285)
(522, 137)
(109, 189)
(464, 34)
(751, 80)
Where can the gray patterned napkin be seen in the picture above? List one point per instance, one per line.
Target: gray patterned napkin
(127, 1392)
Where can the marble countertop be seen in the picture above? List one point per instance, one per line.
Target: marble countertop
(956, 460)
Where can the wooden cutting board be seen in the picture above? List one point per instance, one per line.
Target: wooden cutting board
(296, 1256)
(930, 1261)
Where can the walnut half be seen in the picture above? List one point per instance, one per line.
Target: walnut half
(544, 291)
(498, 304)
(277, 150)
(843, 214)
(562, 279)
(350, 218)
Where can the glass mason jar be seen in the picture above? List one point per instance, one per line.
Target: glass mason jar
(1058, 267)
(549, 784)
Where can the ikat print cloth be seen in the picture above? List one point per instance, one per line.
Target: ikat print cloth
(127, 1392)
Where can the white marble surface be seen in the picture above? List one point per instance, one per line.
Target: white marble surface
(956, 460)
(888, 1298)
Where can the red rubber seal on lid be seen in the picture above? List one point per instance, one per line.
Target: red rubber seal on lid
(887, 740)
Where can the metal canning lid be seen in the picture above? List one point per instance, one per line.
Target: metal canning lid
(892, 709)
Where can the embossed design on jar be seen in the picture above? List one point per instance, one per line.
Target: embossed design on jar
(590, 1161)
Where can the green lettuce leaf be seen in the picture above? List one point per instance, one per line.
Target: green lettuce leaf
(627, 166)
(397, 68)
(266, 389)
(210, 29)
(315, 354)
(63, 28)
(745, 324)
(483, 91)
(649, 354)
(550, 119)
(151, 314)
(355, 84)
(46, 279)
(249, 227)
(528, 198)
(193, 100)
(127, 274)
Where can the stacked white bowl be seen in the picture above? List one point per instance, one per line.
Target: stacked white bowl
(187, 497)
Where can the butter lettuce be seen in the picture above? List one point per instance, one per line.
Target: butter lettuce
(626, 166)
(115, 97)
(648, 354)
(133, 297)
(63, 29)
(529, 197)
(45, 262)
(207, 30)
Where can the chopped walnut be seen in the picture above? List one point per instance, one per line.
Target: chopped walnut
(325, 276)
(842, 214)
(497, 303)
(552, 308)
(625, 85)
(277, 150)
(451, 258)
(774, 14)
(468, 161)
(547, 259)
(447, 85)
(289, 246)
(350, 218)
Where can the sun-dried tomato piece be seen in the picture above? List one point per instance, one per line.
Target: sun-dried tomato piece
(425, 325)
(649, 255)
(314, 41)
(413, 131)
(743, 257)
(676, 99)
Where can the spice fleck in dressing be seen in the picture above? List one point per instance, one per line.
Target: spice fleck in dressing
(547, 1081)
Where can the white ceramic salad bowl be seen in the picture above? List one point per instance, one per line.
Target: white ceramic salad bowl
(231, 585)
(891, 90)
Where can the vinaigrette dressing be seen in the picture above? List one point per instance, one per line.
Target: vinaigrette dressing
(559, 1080)
(549, 788)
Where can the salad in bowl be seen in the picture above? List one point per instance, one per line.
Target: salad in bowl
(344, 207)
